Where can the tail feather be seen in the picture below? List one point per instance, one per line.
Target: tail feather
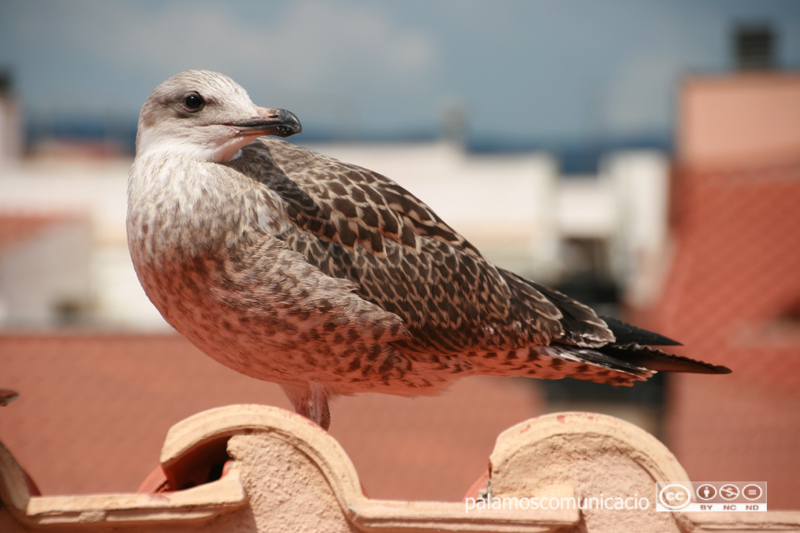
(596, 357)
(608, 343)
(654, 359)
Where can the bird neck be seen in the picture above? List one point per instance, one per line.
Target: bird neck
(180, 208)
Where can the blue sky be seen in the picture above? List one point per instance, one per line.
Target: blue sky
(522, 71)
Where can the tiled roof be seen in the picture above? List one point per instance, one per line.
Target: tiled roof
(733, 298)
(549, 474)
(735, 282)
(94, 408)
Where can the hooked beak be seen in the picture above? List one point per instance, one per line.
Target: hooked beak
(269, 122)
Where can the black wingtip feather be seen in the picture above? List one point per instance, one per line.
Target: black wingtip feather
(627, 334)
(654, 359)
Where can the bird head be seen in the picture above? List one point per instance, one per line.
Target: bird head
(207, 116)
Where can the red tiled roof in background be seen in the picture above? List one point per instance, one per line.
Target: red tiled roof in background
(733, 292)
(732, 298)
(94, 409)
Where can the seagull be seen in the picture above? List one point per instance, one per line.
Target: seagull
(330, 279)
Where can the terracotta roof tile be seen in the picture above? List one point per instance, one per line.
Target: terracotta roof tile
(93, 411)
(732, 298)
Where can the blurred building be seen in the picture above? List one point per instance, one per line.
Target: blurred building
(84, 198)
(732, 293)
(44, 268)
(10, 123)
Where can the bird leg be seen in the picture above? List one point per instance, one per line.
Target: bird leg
(311, 402)
(319, 407)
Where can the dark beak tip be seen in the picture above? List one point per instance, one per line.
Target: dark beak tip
(293, 124)
(287, 130)
(289, 125)
(282, 124)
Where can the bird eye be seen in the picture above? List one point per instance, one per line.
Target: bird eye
(193, 102)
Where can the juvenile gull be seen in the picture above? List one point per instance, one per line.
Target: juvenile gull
(330, 279)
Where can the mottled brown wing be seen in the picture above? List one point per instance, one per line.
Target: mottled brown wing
(358, 225)
(344, 203)
(447, 309)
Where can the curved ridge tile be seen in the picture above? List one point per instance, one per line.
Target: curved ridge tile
(287, 474)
